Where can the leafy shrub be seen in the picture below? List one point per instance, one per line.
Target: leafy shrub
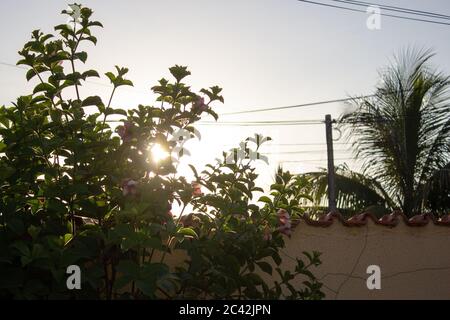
(78, 190)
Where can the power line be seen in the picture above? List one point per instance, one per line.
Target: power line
(298, 105)
(263, 123)
(363, 11)
(296, 144)
(12, 65)
(239, 112)
(314, 160)
(244, 123)
(397, 9)
(267, 121)
(251, 123)
(287, 123)
(304, 151)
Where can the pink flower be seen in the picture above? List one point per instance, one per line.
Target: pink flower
(197, 189)
(169, 209)
(284, 220)
(267, 234)
(125, 131)
(129, 187)
(199, 105)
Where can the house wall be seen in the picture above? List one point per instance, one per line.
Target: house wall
(414, 260)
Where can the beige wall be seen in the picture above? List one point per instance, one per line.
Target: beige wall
(414, 261)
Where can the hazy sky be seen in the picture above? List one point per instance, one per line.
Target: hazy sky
(264, 53)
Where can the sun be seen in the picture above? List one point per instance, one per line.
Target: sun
(158, 153)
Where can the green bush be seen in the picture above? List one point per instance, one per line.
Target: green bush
(76, 190)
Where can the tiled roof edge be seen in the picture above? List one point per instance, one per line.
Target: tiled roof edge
(389, 220)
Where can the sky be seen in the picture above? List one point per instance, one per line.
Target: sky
(263, 53)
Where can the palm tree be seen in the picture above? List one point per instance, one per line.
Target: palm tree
(403, 132)
(355, 192)
(438, 191)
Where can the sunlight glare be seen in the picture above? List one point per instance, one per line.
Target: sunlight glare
(158, 153)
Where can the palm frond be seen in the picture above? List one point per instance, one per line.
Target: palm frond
(354, 191)
(403, 132)
(437, 191)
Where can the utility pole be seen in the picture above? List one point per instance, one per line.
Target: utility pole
(330, 157)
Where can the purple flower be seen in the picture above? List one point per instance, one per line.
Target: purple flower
(125, 131)
(129, 187)
(267, 234)
(284, 220)
(199, 105)
(197, 189)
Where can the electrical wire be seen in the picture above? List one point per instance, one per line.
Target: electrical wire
(303, 152)
(262, 123)
(289, 122)
(396, 9)
(363, 11)
(315, 160)
(296, 106)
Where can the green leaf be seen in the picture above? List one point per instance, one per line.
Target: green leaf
(64, 28)
(90, 73)
(188, 232)
(124, 82)
(128, 268)
(38, 251)
(265, 266)
(5, 173)
(92, 39)
(92, 101)
(74, 77)
(4, 121)
(277, 186)
(67, 238)
(214, 114)
(44, 87)
(22, 248)
(109, 111)
(95, 23)
(111, 76)
(254, 278)
(179, 72)
(265, 199)
(32, 72)
(233, 265)
(82, 56)
(39, 98)
(194, 171)
(34, 231)
(276, 257)
(257, 189)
